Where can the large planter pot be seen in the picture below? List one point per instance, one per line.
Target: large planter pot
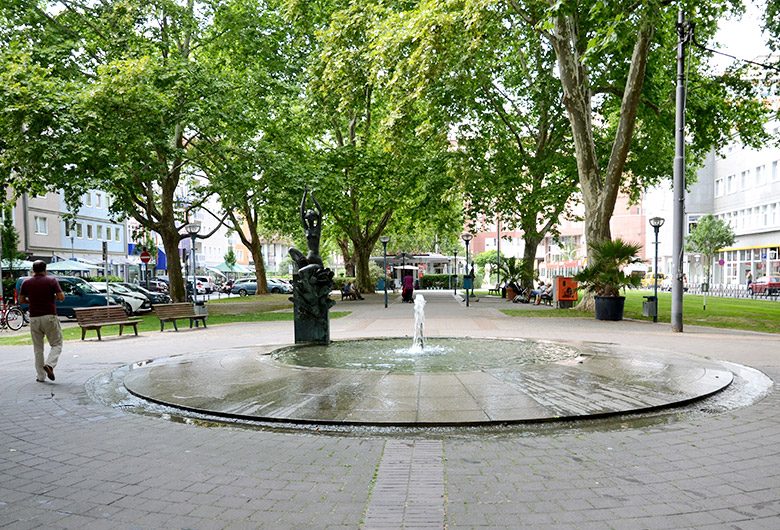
(510, 294)
(609, 307)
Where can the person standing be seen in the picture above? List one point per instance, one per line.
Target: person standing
(41, 292)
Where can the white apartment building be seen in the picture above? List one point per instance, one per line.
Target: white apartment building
(743, 189)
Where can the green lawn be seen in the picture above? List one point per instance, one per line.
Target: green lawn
(150, 323)
(732, 313)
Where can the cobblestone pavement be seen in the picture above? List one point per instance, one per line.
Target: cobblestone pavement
(69, 462)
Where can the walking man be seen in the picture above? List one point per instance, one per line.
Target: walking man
(40, 292)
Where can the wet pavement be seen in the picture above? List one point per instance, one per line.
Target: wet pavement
(69, 461)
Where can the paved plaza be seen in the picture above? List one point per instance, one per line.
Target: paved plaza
(69, 461)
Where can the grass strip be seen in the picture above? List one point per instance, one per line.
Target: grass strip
(729, 313)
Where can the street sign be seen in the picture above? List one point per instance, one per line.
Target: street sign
(145, 257)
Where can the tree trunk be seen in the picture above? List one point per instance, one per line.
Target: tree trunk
(349, 264)
(529, 257)
(171, 240)
(363, 277)
(257, 256)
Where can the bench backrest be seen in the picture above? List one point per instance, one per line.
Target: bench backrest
(89, 315)
(177, 309)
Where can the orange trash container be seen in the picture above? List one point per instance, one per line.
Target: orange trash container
(565, 291)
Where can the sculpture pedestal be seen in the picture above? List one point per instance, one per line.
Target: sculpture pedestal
(311, 330)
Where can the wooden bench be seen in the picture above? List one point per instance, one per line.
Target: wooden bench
(496, 289)
(176, 311)
(97, 317)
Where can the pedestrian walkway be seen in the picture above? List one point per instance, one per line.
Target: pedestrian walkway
(71, 462)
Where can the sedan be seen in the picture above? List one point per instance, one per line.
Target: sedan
(132, 302)
(766, 285)
(245, 288)
(278, 286)
(153, 297)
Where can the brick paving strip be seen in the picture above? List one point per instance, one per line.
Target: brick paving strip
(409, 487)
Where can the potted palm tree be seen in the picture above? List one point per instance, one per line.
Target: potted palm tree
(512, 273)
(604, 276)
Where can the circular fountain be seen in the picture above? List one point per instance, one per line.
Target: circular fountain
(438, 381)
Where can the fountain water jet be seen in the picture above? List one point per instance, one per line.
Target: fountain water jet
(418, 342)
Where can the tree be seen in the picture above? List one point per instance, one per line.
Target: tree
(230, 258)
(10, 239)
(375, 165)
(489, 78)
(614, 64)
(707, 238)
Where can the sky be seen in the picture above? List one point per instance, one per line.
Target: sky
(742, 37)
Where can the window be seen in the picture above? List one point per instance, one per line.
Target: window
(764, 216)
(718, 187)
(89, 231)
(743, 180)
(99, 232)
(98, 201)
(79, 230)
(67, 229)
(116, 234)
(41, 225)
(760, 175)
(775, 174)
(88, 199)
(730, 181)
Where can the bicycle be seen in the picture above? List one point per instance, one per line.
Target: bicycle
(11, 317)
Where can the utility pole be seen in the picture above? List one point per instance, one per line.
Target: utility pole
(684, 33)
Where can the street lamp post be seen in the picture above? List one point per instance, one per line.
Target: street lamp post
(384, 240)
(656, 223)
(466, 237)
(455, 266)
(192, 229)
(71, 247)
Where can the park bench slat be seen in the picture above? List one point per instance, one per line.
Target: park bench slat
(96, 317)
(176, 311)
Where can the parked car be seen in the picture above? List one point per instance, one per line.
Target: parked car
(766, 285)
(78, 293)
(199, 285)
(131, 301)
(158, 286)
(153, 297)
(278, 286)
(245, 288)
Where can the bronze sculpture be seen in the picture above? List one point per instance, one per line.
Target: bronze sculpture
(313, 282)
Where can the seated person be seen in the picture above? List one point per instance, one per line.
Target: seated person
(348, 292)
(546, 294)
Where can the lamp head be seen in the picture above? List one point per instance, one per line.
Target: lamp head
(193, 228)
(657, 222)
(465, 236)
(384, 239)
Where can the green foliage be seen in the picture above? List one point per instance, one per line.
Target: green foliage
(230, 258)
(340, 281)
(707, 238)
(513, 270)
(10, 238)
(604, 274)
(111, 278)
(436, 281)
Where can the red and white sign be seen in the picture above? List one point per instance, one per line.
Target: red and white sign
(145, 257)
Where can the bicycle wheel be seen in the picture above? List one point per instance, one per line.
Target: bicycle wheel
(14, 318)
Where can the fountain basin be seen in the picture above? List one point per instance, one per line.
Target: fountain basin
(579, 381)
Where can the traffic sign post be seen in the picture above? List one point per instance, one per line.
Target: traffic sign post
(145, 257)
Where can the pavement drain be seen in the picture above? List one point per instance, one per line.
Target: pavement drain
(409, 487)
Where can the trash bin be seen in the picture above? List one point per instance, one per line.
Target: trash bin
(650, 306)
(200, 308)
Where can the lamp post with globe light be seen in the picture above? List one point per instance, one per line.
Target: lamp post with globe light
(656, 223)
(466, 237)
(384, 240)
(192, 229)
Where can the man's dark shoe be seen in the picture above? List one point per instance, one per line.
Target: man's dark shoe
(49, 371)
